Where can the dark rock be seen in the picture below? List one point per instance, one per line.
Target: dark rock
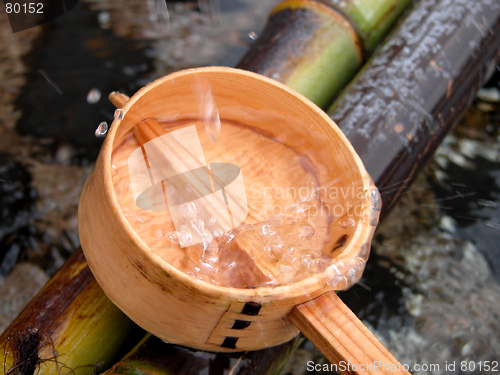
(17, 199)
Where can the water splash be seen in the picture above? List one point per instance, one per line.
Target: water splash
(211, 7)
(119, 114)
(94, 96)
(278, 250)
(159, 15)
(50, 81)
(102, 130)
(207, 109)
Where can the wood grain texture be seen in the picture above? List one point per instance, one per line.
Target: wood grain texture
(342, 338)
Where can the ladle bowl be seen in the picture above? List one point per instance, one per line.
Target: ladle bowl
(181, 309)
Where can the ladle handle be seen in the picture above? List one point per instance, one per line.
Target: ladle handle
(342, 338)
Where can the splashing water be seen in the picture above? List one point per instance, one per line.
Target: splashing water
(278, 250)
(101, 130)
(208, 110)
(118, 115)
(159, 15)
(94, 96)
(212, 7)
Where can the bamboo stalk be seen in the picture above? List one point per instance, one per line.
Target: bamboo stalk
(71, 324)
(373, 19)
(316, 47)
(154, 357)
(416, 87)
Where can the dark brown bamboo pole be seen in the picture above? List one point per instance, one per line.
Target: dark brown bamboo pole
(409, 95)
(316, 47)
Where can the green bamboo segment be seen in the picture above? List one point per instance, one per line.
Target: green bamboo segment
(154, 357)
(309, 47)
(373, 19)
(69, 327)
(316, 47)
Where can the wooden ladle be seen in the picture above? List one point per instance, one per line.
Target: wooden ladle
(326, 321)
(183, 310)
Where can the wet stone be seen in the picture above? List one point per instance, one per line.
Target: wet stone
(63, 101)
(17, 199)
(18, 289)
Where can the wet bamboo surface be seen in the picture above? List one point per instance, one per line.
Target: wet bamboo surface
(409, 95)
(316, 47)
(438, 112)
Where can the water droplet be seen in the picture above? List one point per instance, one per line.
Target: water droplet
(347, 222)
(342, 283)
(486, 203)
(208, 110)
(370, 215)
(355, 271)
(208, 269)
(192, 207)
(185, 238)
(364, 251)
(159, 15)
(198, 225)
(94, 96)
(373, 198)
(212, 220)
(205, 235)
(102, 130)
(104, 19)
(119, 114)
(269, 229)
(218, 232)
(187, 212)
(173, 237)
(252, 35)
